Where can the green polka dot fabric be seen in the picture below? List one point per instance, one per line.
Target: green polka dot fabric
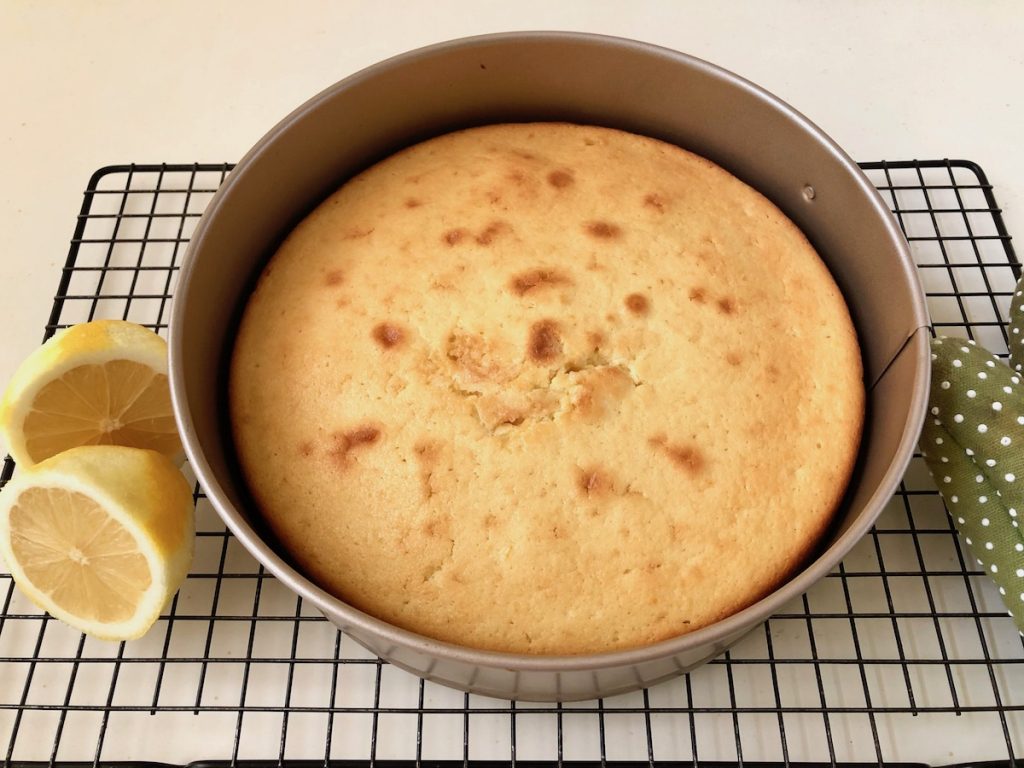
(973, 443)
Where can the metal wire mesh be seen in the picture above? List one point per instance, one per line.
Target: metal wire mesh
(903, 653)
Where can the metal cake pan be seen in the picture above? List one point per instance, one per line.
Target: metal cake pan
(577, 78)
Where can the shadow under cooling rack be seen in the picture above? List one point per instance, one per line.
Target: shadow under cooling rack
(904, 653)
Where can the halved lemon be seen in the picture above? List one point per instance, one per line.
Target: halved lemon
(101, 537)
(98, 383)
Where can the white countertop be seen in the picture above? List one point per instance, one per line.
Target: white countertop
(92, 84)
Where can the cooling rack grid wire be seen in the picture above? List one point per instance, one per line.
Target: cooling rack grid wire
(903, 653)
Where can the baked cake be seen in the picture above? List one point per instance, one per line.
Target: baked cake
(547, 388)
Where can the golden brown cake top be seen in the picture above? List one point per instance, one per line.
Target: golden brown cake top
(547, 388)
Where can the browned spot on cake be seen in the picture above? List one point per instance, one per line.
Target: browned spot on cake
(733, 358)
(589, 142)
(306, 448)
(346, 442)
(524, 154)
(726, 305)
(492, 230)
(686, 457)
(433, 527)
(426, 449)
(355, 234)
(412, 202)
(655, 201)
(560, 179)
(341, 303)
(603, 230)
(334, 277)
(592, 481)
(516, 176)
(541, 277)
(544, 344)
(427, 452)
(638, 304)
(698, 294)
(490, 521)
(454, 236)
(772, 372)
(388, 335)
(593, 265)
(596, 338)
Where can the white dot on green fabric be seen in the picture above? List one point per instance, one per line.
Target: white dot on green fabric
(1012, 511)
(965, 350)
(1007, 390)
(990, 462)
(961, 520)
(957, 364)
(944, 385)
(984, 521)
(968, 451)
(938, 441)
(968, 540)
(943, 459)
(934, 356)
(959, 418)
(983, 428)
(1019, 547)
(936, 422)
(1005, 441)
(954, 499)
(990, 364)
(989, 545)
(935, 410)
(983, 499)
(1020, 573)
(971, 393)
(993, 568)
(997, 406)
(1015, 379)
(982, 375)
(1022, 597)
(1002, 591)
(1009, 477)
(979, 478)
(1020, 420)
(947, 479)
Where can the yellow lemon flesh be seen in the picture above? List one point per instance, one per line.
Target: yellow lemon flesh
(98, 383)
(101, 537)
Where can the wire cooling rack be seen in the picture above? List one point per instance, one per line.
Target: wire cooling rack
(903, 653)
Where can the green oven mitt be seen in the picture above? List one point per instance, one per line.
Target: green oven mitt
(973, 443)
